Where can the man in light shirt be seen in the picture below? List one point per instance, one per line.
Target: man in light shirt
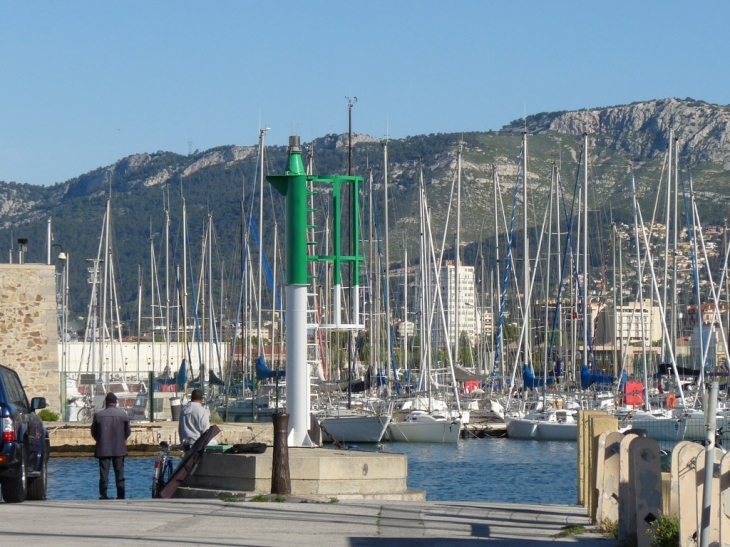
(194, 420)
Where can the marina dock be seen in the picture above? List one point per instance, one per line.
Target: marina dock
(293, 522)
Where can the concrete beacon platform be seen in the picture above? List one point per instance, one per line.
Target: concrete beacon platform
(315, 474)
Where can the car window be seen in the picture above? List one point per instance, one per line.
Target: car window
(14, 389)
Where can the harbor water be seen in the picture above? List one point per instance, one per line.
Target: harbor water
(477, 470)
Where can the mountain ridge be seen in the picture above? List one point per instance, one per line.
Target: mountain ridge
(622, 138)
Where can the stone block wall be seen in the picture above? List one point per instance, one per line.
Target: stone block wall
(28, 335)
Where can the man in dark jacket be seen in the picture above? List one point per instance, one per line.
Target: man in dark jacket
(110, 430)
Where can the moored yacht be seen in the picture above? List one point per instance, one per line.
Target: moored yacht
(420, 426)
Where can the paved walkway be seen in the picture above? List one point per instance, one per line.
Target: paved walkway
(212, 522)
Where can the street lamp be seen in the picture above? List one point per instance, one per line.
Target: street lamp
(22, 249)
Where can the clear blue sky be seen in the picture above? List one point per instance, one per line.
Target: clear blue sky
(85, 83)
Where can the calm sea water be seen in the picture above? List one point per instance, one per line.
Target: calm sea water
(480, 470)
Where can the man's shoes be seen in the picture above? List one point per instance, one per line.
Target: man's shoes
(104, 498)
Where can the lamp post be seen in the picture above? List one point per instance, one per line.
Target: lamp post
(22, 249)
(62, 295)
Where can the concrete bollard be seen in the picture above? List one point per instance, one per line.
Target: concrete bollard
(280, 479)
(687, 460)
(608, 476)
(646, 474)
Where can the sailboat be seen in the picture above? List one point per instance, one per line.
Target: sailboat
(352, 425)
(101, 355)
(359, 419)
(659, 424)
(556, 421)
(429, 424)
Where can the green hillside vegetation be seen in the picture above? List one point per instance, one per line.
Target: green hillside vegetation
(138, 202)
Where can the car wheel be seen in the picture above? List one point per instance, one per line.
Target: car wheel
(15, 489)
(38, 486)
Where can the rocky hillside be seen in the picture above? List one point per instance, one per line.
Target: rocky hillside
(642, 129)
(215, 181)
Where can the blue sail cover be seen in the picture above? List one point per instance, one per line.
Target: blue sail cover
(529, 378)
(182, 376)
(263, 372)
(558, 368)
(587, 379)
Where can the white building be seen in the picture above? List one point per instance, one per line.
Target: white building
(710, 343)
(464, 303)
(126, 359)
(405, 328)
(630, 324)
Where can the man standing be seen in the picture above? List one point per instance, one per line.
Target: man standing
(194, 420)
(110, 429)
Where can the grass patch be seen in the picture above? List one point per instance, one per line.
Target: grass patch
(609, 528)
(232, 499)
(260, 497)
(571, 530)
(333, 500)
(266, 497)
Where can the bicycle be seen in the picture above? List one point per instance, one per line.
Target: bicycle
(163, 469)
(86, 412)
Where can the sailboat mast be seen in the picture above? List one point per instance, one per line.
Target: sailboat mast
(585, 249)
(167, 287)
(498, 342)
(457, 286)
(139, 315)
(273, 295)
(185, 278)
(102, 326)
(559, 253)
(152, 294)
(621, 291)
(546, 359)
(614, 237)
(372, 284)
(262, 136)
(405, 306)
(526, 251)
(210, 304)
(673, 329)
(425, 346)
(640, 268)
(666, 235)
(386, 296)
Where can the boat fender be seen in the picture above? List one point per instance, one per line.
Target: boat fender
(671, 401)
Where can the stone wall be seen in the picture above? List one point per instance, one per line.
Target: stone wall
(28, 335)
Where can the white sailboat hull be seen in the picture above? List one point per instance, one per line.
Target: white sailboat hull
(520, 428)
(557, 432)
(660, 429)
(557, 425)
(417, 431)
(354, 429)
(696, 427)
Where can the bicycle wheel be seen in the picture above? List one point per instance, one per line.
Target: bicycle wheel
(85, 414)
(157, 475)
(167, 475)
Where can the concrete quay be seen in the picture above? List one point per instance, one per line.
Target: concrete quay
(74, 439)
(122, 523)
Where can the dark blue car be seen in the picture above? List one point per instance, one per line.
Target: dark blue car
(24, 448)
